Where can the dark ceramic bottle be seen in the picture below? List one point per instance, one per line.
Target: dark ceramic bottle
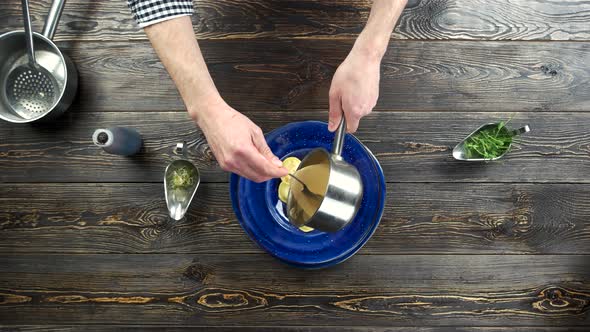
(118, 140)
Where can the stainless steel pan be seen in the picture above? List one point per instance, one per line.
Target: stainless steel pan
(343, 193)
(13, 55)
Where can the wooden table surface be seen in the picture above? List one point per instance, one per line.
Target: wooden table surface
(85, 242)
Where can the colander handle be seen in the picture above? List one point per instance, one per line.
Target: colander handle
(53, 18)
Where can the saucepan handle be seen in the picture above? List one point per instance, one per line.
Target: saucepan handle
(339, 137)
(53, 18)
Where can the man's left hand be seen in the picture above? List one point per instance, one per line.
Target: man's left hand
(355, 89)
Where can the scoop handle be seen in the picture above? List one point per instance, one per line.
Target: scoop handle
(339, 137)
(28, 32)
(522, 130)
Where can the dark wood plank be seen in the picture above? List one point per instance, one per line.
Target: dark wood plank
(426, 19)
(296, 74)
(84, 328)
(411, 147)
(418, 218)
(249, 289)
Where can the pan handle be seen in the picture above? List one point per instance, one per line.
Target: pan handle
(339, 137)
(53, 18)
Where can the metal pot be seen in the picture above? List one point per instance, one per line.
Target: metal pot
(13, 53)
(344, 189)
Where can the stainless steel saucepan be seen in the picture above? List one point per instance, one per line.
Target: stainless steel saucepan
(340, 200)
(24, 96)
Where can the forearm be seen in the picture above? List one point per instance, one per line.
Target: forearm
(375, 36)
(175, 44)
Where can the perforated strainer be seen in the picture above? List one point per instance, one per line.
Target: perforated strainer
(37, 81)
(30, 88)
(30, 92)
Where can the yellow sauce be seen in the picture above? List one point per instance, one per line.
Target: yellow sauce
(315, 178)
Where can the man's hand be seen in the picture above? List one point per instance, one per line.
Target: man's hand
(238, 144)
(354, 90)
(355, 85)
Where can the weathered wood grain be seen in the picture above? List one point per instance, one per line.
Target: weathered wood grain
(369, 290)
(411, 147)
(459, 246)
(426, 19)
(283, 328)
(296, 74)
(418, 218)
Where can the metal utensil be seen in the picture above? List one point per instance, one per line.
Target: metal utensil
(178, 200)
(37, 81)
(30, 88)
(343, 193)
(306, 190)
(460, 151)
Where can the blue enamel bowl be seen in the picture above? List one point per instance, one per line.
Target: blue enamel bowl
(263, 216)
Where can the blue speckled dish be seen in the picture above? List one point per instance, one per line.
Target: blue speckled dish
(262, 215)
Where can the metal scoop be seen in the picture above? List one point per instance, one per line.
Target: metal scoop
(30, 88)
(460, 151)
(179, 194)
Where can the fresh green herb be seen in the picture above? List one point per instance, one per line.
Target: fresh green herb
(490, 142)
(182, 178)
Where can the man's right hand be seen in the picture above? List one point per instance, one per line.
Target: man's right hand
(238, 144)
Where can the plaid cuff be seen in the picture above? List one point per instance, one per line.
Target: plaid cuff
(146, 12)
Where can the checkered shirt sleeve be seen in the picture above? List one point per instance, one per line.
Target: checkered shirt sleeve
(147, 12)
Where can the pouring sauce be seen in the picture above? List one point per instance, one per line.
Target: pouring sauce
(303, 205)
